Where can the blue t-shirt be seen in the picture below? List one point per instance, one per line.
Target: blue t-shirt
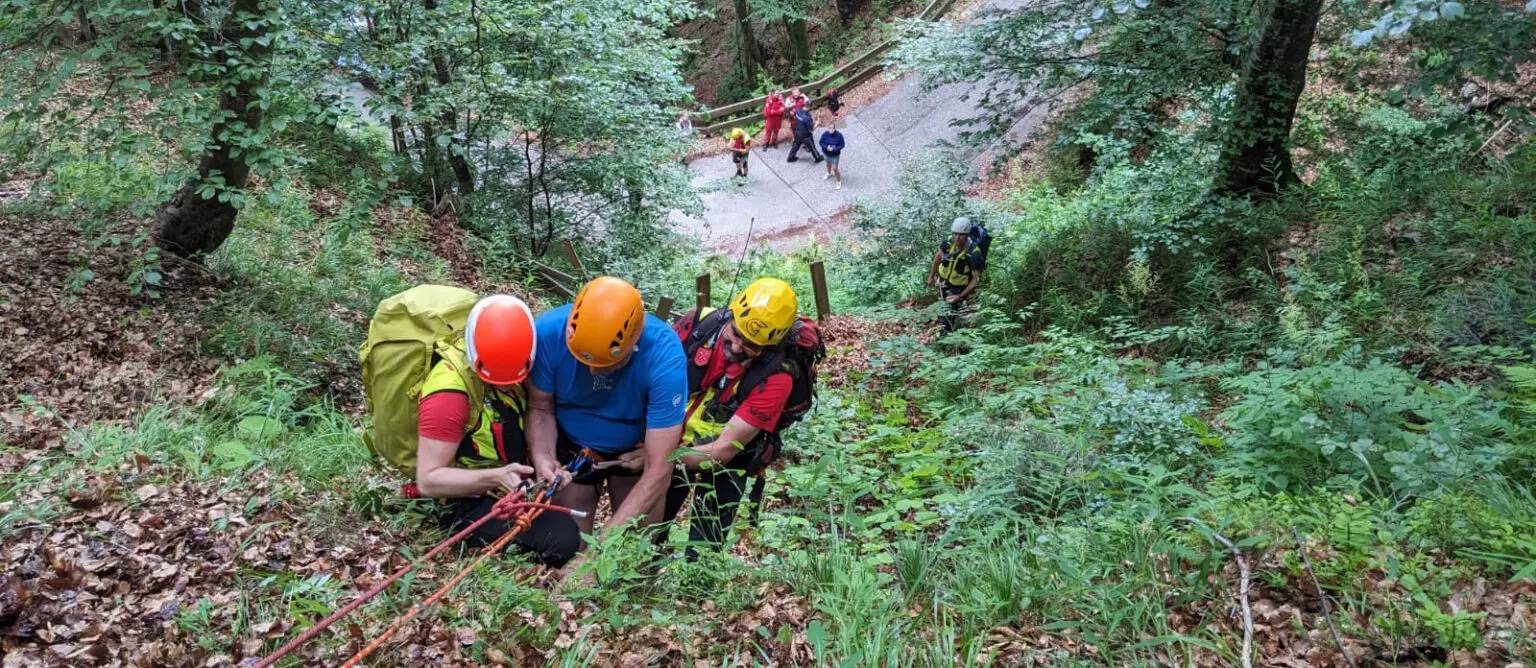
(610, 414)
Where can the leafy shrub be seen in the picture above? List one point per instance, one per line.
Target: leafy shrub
(1392, 138)
(1373, 426)
(1457, 520)
(1145, 420)
(1492, 312)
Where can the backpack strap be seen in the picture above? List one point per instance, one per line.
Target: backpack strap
(763, 368)
(473, 386)
(705, 332)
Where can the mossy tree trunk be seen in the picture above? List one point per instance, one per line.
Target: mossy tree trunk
(800, 42)
(1257, 152)
(200, 216)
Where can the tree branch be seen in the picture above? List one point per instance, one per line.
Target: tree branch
(1242, 588)
(1327, 609)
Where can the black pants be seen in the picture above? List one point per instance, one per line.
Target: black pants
(567, 449)
(809, 146)
(553, 538)
(953, 312)
(717, 494)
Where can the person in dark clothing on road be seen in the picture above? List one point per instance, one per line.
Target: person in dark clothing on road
(804, 127)
(834, 102)
(832, 144)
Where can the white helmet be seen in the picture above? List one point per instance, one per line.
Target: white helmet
(962, 226)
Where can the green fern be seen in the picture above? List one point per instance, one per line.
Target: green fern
(1523, 380)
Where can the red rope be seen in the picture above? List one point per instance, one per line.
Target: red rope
(501, 511)
(523, 521)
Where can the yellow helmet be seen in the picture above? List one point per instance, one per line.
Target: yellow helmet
(765, 311)
(737, 133)
(605, 322)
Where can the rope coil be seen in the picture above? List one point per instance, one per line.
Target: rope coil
(504, 509)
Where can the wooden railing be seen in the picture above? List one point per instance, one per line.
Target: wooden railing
(854, 72)
(566, 285)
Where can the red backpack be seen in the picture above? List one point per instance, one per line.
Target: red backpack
(798, 355)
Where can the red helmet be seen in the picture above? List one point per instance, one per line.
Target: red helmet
(500, 340)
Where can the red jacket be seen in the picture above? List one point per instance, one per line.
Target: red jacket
(774, 108)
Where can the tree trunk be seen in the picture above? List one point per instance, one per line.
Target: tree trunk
(1257, 155)
(87, 30)
(746, 54)
(846, 9)
(800, 42)
(450, 121)
(180, 50)
(397, 134)
(191, 224)
(431, 162)
(458, 161)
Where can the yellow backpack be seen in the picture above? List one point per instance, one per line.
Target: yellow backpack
(409, 332)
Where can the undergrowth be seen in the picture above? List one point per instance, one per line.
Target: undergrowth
(1340, 384)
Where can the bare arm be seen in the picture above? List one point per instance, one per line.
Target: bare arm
(542, 433)
(659, 444)
(975, 279)
(933, 269)
(725, 448)
(436, 478)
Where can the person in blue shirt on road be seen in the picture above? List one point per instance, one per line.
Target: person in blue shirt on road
(608, 381)
(832, 146)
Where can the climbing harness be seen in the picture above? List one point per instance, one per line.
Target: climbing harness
(507, 507)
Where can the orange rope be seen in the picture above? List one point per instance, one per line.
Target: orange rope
(373, 591)
(523, 522)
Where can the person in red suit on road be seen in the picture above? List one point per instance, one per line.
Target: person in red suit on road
(773, 119)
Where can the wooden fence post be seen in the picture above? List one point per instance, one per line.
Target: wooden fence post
(664, 309)
(701, 292)
(570, 253)
(819, 283)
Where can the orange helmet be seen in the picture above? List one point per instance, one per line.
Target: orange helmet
(606, 321)
(500, 340)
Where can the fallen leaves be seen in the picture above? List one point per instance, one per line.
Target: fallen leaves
(93, 354)
(848, 339)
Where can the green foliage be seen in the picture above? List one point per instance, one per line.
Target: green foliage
(1151, 366)
(147, 81)
(604, 75)
(1370, 426)
(1142, 53)
(310, 287)
(1483, 39)
(911, 226)
(1523, 380)
(569, 111)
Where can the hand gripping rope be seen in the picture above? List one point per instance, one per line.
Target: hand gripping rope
(505, 508)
